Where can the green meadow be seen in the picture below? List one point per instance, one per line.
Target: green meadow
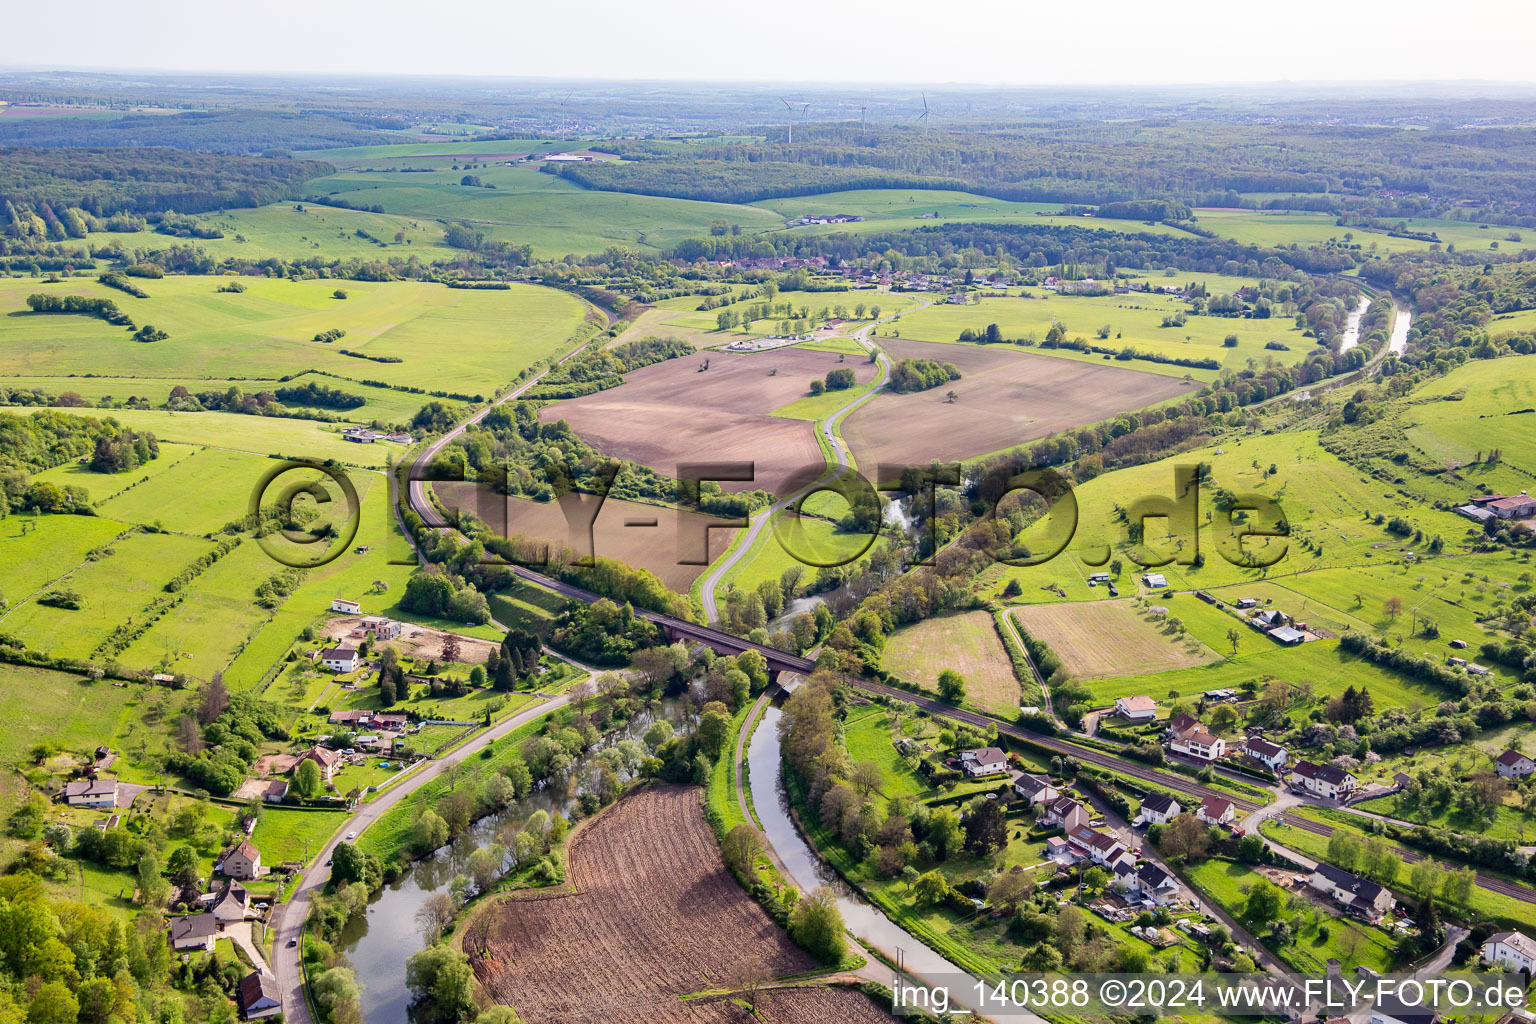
(527, 206)
(478, 340)
(1481, 405)
(1288, 227)
(299, 231)
(1133, 320)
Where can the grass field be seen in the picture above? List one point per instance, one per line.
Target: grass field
(526, 206)
(50, 547)
(74, 713)
(1110, 638)
(1482, 405)
(437, 332)
(1287, 227)
(1134, 320)
(966, 642)
(289, 833)
(794, 536)
(300, 231)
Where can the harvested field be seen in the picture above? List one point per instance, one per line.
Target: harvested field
(1110, 638)
(966, 642)
(620, 531)
(1003, 398)
(671, 413)
(413, 641)
(654, 916)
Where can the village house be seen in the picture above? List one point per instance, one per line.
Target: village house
(1400, 1015)
(381, 628)
(339, 659)
(328, 760)
(346, 607)
(1065, 813)
(1351, 891)
(259, 996)
(91, 793)
(195, 931)
(1153, 883)
(1101, 848)
(1322, 780)
(1215, 810)
(242, 861)
(1181, 725)
(1514, 765)
(232, 904)
(1036, 789)
(1514, 951)
(1199, 744)
(1272, 755)
(1158, 809)
(1136, 709)
(983, 761)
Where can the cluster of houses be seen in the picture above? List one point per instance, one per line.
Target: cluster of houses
(1483, 508)
(257, 993)
(365, 435)
(836, 218)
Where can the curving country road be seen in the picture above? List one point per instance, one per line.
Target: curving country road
(840, 453)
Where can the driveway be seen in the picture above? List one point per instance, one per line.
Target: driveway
(241, 934)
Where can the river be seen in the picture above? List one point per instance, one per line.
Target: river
(808, 871)
(379, 943)
(1352, 325)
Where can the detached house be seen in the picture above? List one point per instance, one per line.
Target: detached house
(1514, 951)
(1065, 813)
(1153, 883)
(328, 760)
(1513, 765)
(1322, 780)
(345, 606)
(1037, 789)
(1136, 709)
(242, 861)
(339, 659)
(1101, 848)
(231, 904)
(259, 996)
(1216, 810)
(1271, 755)
(983, 761)
(1352, 891)
(196, 931)
(91, 793)
(1199, 744)
(1158, 809)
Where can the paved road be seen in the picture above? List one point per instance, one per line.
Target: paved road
(288, 919)
(842, 460)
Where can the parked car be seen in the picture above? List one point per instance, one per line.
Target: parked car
(292, 943)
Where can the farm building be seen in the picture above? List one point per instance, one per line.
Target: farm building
(1158, 809)
(1037, 789)
(1269, 618)
(242, 861)
(1215, 810)
(1322, 780)
(195, 931)
(983, 761)
(339, 659)
(1155, 579)
(1286, 635)
(1136, 709)
(259, 996)
(1352, 891)
(346, 607)
(1271, 754)
(1247, 602)
(1098, 577)
(1514, 951)
(90, 793)
(1514, 765)
(1522, 506)
(270, 790)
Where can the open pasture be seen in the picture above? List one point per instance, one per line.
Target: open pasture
(1287, 227)
(35, 550)
(654, 915)
(966, 642)
(479, 340)
(1004, 398)
(640, 534)
(673, 413)
(526, 206)
(1109, 638)
(298, 231)
(1481, 405)
(1133, 320)
(69, 710)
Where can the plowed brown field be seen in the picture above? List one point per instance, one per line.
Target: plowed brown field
(654, 916)
(671, 413)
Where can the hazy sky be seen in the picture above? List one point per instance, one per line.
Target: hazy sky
(983, 41)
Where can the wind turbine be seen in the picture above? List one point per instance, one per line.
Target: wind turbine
(862, 111)
(923, 117)
(562, 109)
(791, 119)
(805, 112)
